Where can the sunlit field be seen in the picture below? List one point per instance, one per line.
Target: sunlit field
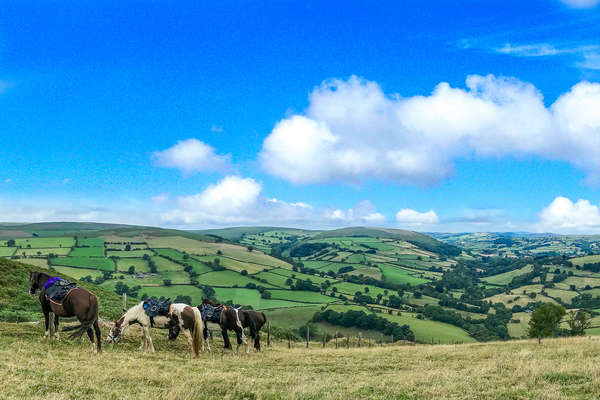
(33, 367)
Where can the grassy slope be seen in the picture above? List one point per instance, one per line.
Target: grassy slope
(15, 302)
(418, 239)
(33, 368)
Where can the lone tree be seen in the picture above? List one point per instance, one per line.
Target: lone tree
(545, 320)
(578, 322)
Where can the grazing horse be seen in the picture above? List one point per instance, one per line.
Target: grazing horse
(191, 324)
(79, 303)
(235, 319)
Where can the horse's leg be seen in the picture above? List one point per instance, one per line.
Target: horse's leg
(90, 334)
(226, 342)
(257, 341)
(149, 339)
(205, 336)
(47, 321)
(56, 327)
(188, 336)
(143, 344)
(98, 333)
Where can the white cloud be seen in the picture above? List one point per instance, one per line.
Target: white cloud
(216, 128)
(531, 50)
(563, 215)
(8, 180)
(160, 199)
(352, 131)
(587, 56)
(581, 3)
(48, 210)
(192, 155)
(408, 216)
(239, 201)
(364, 213)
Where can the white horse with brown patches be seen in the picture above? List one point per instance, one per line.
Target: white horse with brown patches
(189, 317)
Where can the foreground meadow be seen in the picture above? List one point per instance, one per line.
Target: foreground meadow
(36, 368)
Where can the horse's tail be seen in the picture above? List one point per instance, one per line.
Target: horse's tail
(90, 318)
(197, 333)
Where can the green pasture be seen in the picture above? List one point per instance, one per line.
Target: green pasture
(273, 279)
(164, 265)
(349, 288)
(90, 242)
(38, 262)
(195, 293)
(506, 277)
(252, 298)
(289, 273)
(371, 272)
(46, 242)
(425, 330)
(292, 318)
(139, 264)
(301, 296)
(399, 276)
(59, 251)
(7, 251)
(87, 252)
(586, 259)
(171, 253)
(85, 262)
(78, 273)
(228, 278)
(128, 254)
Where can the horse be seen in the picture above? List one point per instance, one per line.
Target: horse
(236, 319)
(191, 324)
(79, 303)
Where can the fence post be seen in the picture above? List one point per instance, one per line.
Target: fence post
(392, 338)
(307, 335)
(347, 341)
(324, 338)
(51, 326)
(268, 333)
(359, 338)
(124, 302)
(289, 342)
(336, 335)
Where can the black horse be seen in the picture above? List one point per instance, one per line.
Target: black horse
(79, 303)
(229, 319)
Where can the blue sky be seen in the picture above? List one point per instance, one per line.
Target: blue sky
(483, 117)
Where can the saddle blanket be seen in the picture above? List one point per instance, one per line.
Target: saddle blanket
(154, 307)
(56, 289)
(211, 313)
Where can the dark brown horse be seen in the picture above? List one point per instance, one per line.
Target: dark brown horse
(236, 320)
(79, 303)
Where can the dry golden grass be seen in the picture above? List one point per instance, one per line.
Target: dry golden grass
(32, 367)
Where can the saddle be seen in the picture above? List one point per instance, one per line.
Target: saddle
(154, 307)
(211, 313)
(57, 289)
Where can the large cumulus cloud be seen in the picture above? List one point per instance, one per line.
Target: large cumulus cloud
(352, 131)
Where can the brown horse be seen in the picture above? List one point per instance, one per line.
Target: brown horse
(79, 303)
(235, 319)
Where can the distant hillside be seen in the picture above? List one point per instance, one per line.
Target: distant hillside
(237, 233)
(418, 239)
(46, 229)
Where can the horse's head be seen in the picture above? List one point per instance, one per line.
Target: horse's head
(173, 326)
(114, 336)
(34, 285)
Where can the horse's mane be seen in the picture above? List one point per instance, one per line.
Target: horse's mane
(209, 301)
(39, 273)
